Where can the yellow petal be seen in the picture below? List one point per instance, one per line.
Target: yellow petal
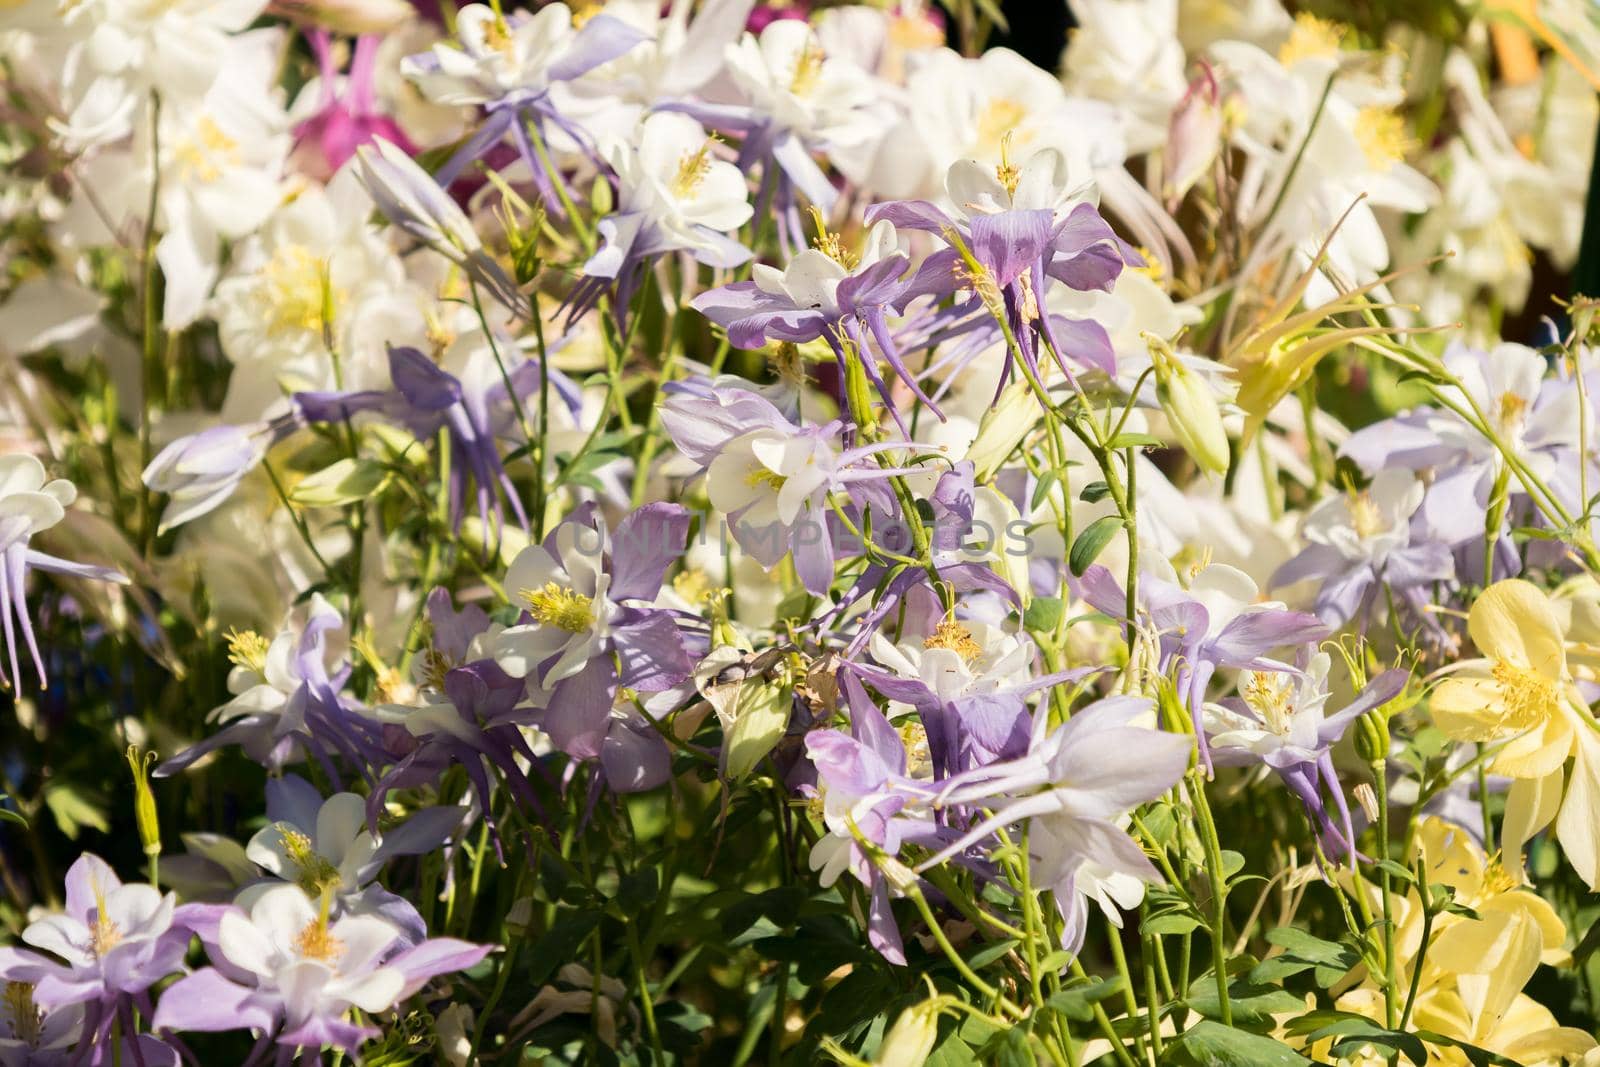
(1578, 825)
(1513, 621)
(1537, 752)
(1468, 709)
(1530, 805)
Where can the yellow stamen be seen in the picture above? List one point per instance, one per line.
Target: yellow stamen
(1513, 409)
(105, 936)
(564, 609)
(998, 123)
(294, 285)
(1364, 515)
(693, 584)
(315, 942)
(693, 168)
(1311, 38)
(316, 875)
(1383, 137)
(1528, 697)
(22, 1013)
(957, 638)
(435, 665)
(914, 738)
(1006, 173)
(807, 69)
(1271, 696)
(248, 649)
(829, 243)
(765, 476)
(203, 156)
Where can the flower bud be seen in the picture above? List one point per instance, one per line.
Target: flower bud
(1193, 137)
(1191, 408)
(753, 724)
(910, 1040)
(144, 801)
(1372, 736)
(857, 391)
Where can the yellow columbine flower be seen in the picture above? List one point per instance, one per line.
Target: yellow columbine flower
(1521, 696)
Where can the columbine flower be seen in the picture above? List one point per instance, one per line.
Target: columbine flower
(1073, 787)
(1521, 695)
(673, 193)
(414, 202)
(110, 945)
(347, 116)
(287, 968)
(580, 594)
(1535, 418)
(200, 472)
(1279, 719)
(286, 695)
(866, 793)
(325, 846)
(772, 479)
(831, 292)
(1360, 540)
(1217, 620)
(507, 65)
(796, 101)
(29, 505)
(1020, 228)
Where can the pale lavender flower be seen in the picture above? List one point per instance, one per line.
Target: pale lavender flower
(1363, 540)
(1215, 621)
(1073, 789)
(29, 505)
(1279, 719)
(200, 471)
(289, 970)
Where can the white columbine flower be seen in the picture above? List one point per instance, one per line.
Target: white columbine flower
(566, 597)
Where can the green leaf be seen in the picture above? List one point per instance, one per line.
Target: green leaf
(1327, 960)
(1042, 490)
(1091, 541)
(74, 810)
(1094, 492)
(1077, 1002)
(1135, 440)
(1043, 614)
(1352, 1031)
(1172, 922)
(1210, 1044)
(11, 815)
(1252, 1006)
(345, 482)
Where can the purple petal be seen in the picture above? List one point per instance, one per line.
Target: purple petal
(643, 547)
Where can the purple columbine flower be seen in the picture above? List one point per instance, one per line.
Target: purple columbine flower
(506, 65)
(775, 480)
(1362, 541)
(110, 945)
(326, 846)
(29, 505)
(287, 969)
(200, 471)
(1535, 416)
(1279, 719)
(586, 627)
(864, 786)
(1214, 621)
(1074, 788)
(37, 1035)
(673, 195)
(346, 118)
(832, 293)
(286, 697)
(426, 398)
(469, 714)
(1021, 228)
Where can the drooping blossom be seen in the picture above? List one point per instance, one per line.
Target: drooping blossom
(29, 505)
(347, 115)
(1073, 788)
(1279, 718)
(1216, 620)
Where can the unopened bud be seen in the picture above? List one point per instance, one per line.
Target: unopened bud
(144, 801)
(1191, 408)
(910, 1040)
(857, 391)
(753, 725)
(1372, 736)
